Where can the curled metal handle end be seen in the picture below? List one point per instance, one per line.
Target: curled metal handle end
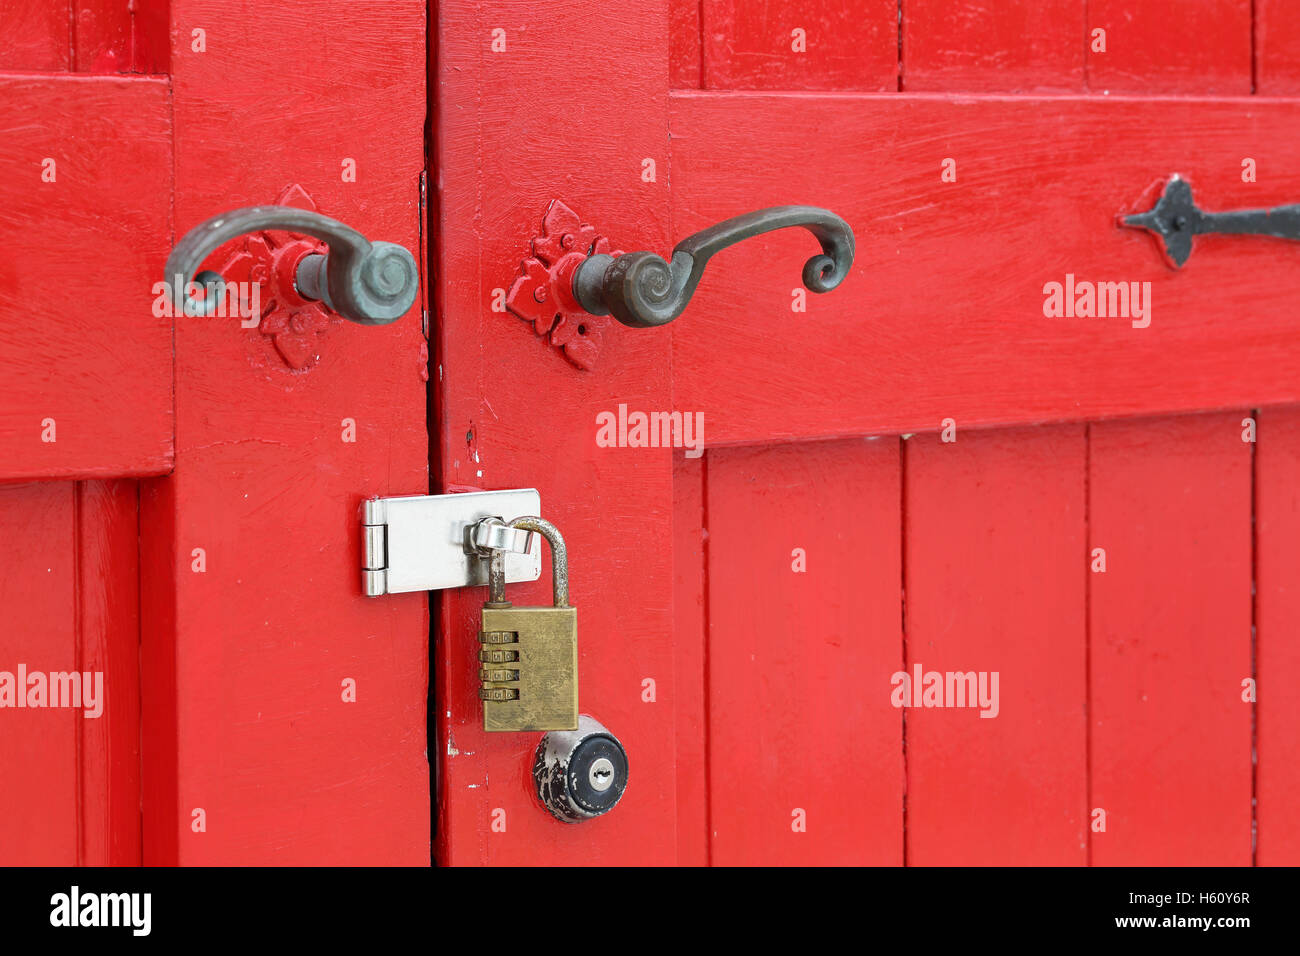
(371, 283)
(642, 290)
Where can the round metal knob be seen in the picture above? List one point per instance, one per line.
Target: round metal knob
(580, 774)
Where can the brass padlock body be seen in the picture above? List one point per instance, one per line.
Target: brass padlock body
(544, 665)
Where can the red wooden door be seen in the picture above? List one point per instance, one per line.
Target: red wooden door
(928, 468)
(181, 497)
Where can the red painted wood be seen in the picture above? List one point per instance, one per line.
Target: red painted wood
(74, 778)
(513, 413)
(150, 40)
(845, 46)
(97, 233)
(1277, 652)
(241, 665)
(927, 326)
(85, 36)
(38, 746)
(993, 534)
(103, 36)
(994, 529)
(244, 663)
(120, 36)
(1192, 46)
(35, 36)
(108, 584)
(160, 735)
(1170, 641)
(799, 663)
(1011, 46)
(1277, 48)
(685, 60)
(690, 625)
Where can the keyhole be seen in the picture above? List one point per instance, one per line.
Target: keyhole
(601, 775)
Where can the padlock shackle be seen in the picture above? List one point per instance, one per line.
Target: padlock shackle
(559, 562)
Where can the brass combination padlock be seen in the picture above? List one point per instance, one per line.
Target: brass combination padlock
(528, 656)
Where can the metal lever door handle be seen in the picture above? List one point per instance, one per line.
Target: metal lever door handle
(372, 283)
(642, 290)
(1176, 219)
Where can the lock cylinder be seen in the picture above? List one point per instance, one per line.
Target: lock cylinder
(580, 774)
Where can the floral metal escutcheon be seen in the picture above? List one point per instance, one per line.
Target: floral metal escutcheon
(269, 258)
(543, 292)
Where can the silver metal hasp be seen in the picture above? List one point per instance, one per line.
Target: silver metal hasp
(419, 542)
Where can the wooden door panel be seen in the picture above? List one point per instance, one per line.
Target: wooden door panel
(942, 317)
(86, 364)
(1170, 641)
(994, 536)
(933, 323)
(1123, 736)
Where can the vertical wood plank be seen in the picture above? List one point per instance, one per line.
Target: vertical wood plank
(1277, 642)
(38, 745)
(994, 541)
(684, 58)
(596, 129)
(805, 751)
(1013, 46)
(1170, 502)
(247, 655)
(1277, 48)
(1192, 46)
(108, 595)
(799, 45)
(690, 686)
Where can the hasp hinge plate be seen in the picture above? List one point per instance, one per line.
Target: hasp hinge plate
(417, 543)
